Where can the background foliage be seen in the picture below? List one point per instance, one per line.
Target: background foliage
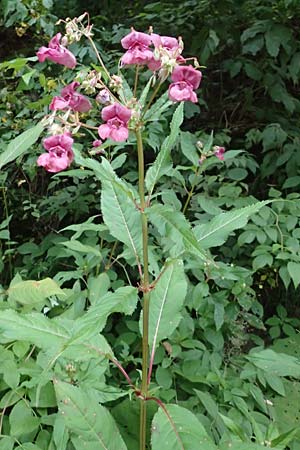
(234, 358)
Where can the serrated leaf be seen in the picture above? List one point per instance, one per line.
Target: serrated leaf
(215, 232)
(163, 162)
(173, 224)
(158, 108)
(32, 292)
(121, 217)
(123, 300)
(35, 328)
(89, 423)
(188, 147)
(20, 144)
(166, 301)
(180, 431)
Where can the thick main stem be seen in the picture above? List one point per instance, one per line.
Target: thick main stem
(145, 289)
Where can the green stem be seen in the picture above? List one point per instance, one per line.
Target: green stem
(145, 289)
(98, 56)
(136, 80)
(6, 217)
(190, 194)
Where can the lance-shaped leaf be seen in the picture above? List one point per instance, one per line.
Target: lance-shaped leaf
(176, 428)
(20, 144)
(158, 108)
(166, 301)
(35, 328)
(215, 232)
(173, 224)
(121, 217)
(90, 425)
(163, 163)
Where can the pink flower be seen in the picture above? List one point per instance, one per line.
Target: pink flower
(137, 46)
(186, 79)
(219, 152)
(57, 52)
(182, 92)
(70, 99)
(116, 117)
(60, 154)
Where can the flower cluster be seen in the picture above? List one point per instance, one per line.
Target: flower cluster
(160, 54)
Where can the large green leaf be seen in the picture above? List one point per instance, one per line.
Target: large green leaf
(163, 163)
(121, 217)
(180, 431)
(123, 300)
(173, 224)
(20, 144)
(279, 364)
(215, 232)
(35, 328)
(90, 424)
(166, 301)
(33, 292)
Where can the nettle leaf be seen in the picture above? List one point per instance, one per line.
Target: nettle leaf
(33, 292)
(216, 231)
(121, 217)
(20, 144)
(173, 224)
(90, 424)
(180, 431)
(163, 164)
(166, 301)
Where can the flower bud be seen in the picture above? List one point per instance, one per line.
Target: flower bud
(103, 97)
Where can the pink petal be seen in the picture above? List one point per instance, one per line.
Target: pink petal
(135, 37)
(104, 131)
(119, 134)
(58, 103)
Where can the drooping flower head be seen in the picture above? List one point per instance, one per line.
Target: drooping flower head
(219, 152)
(116, 117)
(71, 99)
(185, 80)
(57, 52)
(137, 46)
(60, 154)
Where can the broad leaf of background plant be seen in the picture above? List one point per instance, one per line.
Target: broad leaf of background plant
(32, 292)
(215, 232)
(166, 301)
(191, 435)
(280, 364)
(90, 424)
(121, 217)
(173, 224)
(163, 163)
(20, 144)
